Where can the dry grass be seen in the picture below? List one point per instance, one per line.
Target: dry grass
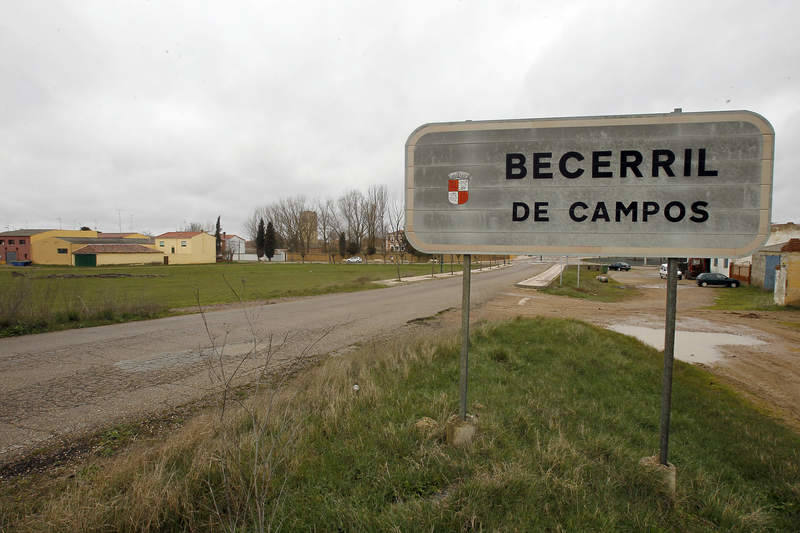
(565, 413)
(28, 307)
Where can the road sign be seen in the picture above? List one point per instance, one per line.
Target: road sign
(665, 185)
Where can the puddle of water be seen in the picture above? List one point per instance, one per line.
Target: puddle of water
(690, 346)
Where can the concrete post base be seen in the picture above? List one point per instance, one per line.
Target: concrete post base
(667, 473)
(460, 432)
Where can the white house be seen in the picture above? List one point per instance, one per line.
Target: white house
(234, 245)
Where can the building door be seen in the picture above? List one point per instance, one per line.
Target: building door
(769, 271)
(11, 256)
(85, 260)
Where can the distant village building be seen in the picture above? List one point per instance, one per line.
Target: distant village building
(787, 274)
(187, 247)
(394, 241)
(773, 264)
(234, 246)
(308, 229)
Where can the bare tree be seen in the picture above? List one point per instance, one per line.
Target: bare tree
(293, 219)
(375, 214)
(329, 227)
(306, 230)
(286, 219)
(197, 226)
(351, 207)
(251, 224)
(397, 219)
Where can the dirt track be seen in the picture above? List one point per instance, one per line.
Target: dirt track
(769, 373)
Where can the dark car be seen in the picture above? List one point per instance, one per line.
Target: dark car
(619, 266)
(712, 278)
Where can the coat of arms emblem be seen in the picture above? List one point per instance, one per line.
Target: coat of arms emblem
(458, 187)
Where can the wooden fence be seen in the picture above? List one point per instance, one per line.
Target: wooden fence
(740, 272)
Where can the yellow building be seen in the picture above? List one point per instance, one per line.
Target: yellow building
(91, 248)
(116, 254)
(787, 275)
(48, 248)
(187, 247)
(62, 248)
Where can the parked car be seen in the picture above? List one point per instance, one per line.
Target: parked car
(714, 278)
(354, 259)
(619, 266)
(663, 272)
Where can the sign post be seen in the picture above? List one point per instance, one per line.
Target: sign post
(669, 357)
(465, 286)
(661, 185)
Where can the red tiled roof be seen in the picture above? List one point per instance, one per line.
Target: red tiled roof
(116, 249)
(179, 234)
(792, 246)
(228, 237)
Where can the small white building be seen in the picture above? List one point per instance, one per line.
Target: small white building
(233, 245)
(721, 265)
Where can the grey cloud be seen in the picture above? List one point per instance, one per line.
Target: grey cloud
(175, 111)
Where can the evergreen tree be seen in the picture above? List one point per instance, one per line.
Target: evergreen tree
(342, 244)
(269, 241)
(218, 235)
(260, 239)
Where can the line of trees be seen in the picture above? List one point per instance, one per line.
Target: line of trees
(354, 223)
(265, 240)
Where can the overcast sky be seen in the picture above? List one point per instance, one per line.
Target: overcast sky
(152, 114)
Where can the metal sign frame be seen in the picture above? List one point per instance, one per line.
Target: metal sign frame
(691, 129)
(458, 193)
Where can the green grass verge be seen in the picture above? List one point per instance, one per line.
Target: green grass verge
(566, 410)
(746, 298)
(590, 288)
(57, 298)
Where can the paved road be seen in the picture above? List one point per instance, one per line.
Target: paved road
(58, 384)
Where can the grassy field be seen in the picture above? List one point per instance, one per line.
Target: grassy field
(53, 298)
(590, 288)
(746, 298)
(566, 410)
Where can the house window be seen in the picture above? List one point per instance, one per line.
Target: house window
(183, 244)
(716, 261)
(10, 241)
(726, 263)
(161, 243)
(62, 250)
(22, 241)
(2, 242)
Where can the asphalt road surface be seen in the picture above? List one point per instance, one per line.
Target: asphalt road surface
(58, 384)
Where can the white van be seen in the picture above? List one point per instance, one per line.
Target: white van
(663, 272)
